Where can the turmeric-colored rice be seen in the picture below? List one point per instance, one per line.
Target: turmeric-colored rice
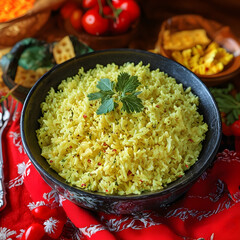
(118, 152)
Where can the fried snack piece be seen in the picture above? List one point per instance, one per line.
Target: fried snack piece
(204, 60)
(184, 39)
(63, 50)
(27, 78)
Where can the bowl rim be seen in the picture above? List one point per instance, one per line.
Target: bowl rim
(145, 195)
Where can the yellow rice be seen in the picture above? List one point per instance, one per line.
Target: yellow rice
(121, 153)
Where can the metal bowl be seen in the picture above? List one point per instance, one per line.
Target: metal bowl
(114, 203)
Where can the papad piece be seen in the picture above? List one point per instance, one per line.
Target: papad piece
(184, 39)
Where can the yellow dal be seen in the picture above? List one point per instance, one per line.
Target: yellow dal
(121, 153)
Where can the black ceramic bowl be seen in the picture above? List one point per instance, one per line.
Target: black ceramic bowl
(114, 203)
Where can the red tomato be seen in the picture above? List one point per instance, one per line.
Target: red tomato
(34, 232)
(92, 3)
(44, 212)
(121, 24)
(93, 23)
(235, 127)
(67, 9)
(116, 3)
(107, 11)
(76, 18)
(130, 6)
(227, 131)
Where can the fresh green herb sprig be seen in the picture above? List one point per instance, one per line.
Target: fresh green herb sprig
(123, 91)
(227, 103)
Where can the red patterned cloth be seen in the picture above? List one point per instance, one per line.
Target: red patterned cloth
(210, 210)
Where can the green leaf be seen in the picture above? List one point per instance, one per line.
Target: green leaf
(236, 113)
(124, 92)
(95, 96)
(122, 79)
(127, 83)
(227, 103)
(230, 118)
(100, 95)
(237, 97)
(227, 90)
(36, 57)
(107, 106)
(131, 103)
(79, 47)
(105, 85)
(132, 84)
(107, 96)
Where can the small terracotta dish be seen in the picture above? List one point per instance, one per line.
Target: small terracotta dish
(216, 32)
(103, 42)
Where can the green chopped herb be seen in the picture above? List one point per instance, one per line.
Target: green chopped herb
(111, 95)
(71, 113)
(90, 136)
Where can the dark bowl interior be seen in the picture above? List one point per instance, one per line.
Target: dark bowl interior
(113, 203)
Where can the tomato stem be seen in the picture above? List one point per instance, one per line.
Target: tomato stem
(116, 12)
(100, 8)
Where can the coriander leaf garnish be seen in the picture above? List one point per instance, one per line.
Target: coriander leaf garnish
(227, 103)
(106, 90)
(101, 94)
(95, 96)
(124, 91)
(105, 85)
(107, 106)
(127, 83)
(132, 103)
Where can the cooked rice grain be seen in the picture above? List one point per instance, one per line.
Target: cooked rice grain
(121, 153)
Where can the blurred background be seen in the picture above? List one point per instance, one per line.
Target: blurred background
(153, 13)
(46, 20)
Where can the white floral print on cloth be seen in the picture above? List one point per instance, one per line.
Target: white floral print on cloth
(33, 205)
(5, 234)
(50, 225)
(23, 170)
(17, 141)
(89, 231)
